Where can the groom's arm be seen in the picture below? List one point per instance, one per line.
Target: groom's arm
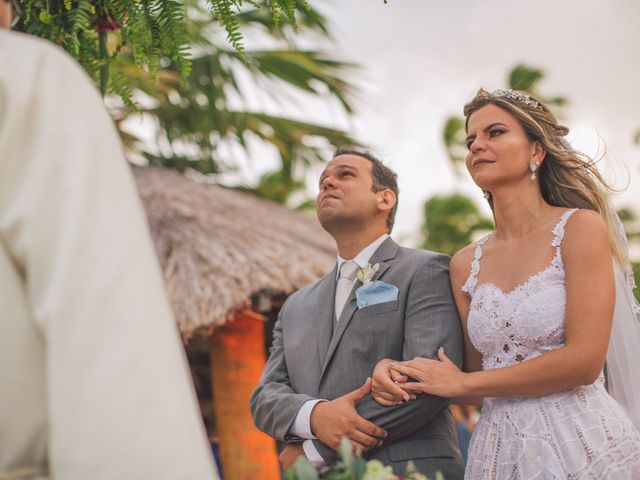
(274, 404)
(431, 321)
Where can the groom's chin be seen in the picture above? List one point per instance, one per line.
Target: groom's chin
(329, 218)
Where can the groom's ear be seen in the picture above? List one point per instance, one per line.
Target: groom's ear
(386, 200)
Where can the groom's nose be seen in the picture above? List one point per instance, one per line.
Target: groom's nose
(328, 182)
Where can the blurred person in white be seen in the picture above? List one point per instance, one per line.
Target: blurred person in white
(93, 379)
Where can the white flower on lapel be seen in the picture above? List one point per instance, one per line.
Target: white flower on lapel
(366, 273)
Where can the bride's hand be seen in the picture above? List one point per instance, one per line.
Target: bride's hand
(385, 385)
(442, 378)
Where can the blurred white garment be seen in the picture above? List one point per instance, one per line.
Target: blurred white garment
(623, 362)
(94, 382)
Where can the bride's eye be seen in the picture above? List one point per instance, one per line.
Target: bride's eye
(496, 132)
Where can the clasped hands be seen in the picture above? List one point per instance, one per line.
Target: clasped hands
(333, 420)
(391, 385)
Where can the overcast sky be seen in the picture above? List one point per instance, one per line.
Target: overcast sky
(422, 60)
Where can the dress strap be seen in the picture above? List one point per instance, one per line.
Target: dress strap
(558, 230)
(470, 285)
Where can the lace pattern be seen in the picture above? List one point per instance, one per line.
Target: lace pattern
(580, 433)
(470, 284)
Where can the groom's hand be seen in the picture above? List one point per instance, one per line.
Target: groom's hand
(333, 420)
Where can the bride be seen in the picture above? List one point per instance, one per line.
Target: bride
(536, 300)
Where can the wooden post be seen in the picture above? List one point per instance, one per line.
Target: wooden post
(237, 358)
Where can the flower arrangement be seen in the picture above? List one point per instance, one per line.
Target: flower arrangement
(352, 467)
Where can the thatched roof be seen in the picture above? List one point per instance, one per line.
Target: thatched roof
(218, 247)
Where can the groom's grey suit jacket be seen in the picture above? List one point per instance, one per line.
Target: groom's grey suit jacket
(313, 357)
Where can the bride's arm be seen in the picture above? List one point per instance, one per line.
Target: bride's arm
(589, 309)
(386, 383)
(459, 272)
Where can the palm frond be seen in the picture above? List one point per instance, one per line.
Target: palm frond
(307, 71)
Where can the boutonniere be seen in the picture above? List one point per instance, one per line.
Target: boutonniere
(372, 292)
(365, 274)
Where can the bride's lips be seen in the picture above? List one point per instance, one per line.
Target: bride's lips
(481, 161)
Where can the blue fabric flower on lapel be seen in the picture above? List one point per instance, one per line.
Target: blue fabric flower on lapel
(372, 293)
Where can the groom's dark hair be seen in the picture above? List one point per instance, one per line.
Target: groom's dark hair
(383, 176)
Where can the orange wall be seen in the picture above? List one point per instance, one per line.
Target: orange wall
(237, 358)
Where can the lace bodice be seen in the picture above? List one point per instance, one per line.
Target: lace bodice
(509, 327)
(581, 433)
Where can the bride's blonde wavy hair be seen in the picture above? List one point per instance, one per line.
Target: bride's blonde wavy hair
(568, 178)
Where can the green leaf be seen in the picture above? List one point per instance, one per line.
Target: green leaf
(45, 17)
(358, 469)
(302, 470)
(452, 128)
(450, 222)
(454, 138)
(525, 78)
(345, 452)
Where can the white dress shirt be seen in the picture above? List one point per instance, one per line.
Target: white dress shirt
(302, 424)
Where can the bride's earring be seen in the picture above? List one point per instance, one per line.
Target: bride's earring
(486, 194)
(534, 168)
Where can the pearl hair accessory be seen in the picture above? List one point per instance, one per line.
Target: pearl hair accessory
(519, 97)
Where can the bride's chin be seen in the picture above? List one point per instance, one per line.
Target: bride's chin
(484, 185)
(480, 180)
(486, 182)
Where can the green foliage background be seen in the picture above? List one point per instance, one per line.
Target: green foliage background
(96, 33)
(183, 66)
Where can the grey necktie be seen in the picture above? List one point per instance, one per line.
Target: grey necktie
(345, 285)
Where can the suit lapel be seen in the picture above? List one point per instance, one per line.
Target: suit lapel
(325, 309)
(384, 256)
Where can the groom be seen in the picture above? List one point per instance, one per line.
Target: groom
(330, 335)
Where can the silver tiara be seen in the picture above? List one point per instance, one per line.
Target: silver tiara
(519, 97)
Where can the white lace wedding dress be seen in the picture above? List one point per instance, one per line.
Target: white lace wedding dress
(580, 433)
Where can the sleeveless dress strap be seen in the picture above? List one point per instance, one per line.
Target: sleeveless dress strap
(470, 284)
(558, 230)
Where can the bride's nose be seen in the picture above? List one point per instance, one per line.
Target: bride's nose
(477, 145)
